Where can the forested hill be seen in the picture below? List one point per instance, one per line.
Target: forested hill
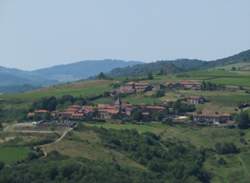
(166, 67)
(180, 65)
(15, 80)
(238, 58)
(83, 69)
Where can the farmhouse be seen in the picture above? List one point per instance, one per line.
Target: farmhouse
(107, 111)
(72, 112)
(134, 87)
(41, 113)
(195, 100)
(125, 90)
(190, 84)
(207, 118)
(153, 108)
(185, 84)
(127, 109)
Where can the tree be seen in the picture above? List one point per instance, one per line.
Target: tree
(150, 76)
(51, 103)
(244, 120)
(160, 93)
(226, 148)
(137, 115)
(1, 165)
(102, 76)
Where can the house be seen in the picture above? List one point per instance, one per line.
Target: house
(88, 111)
(72, 112)
(125, 90)
(209, 118)
(195, 100)
(40, 113)
(190, 84)
(77, 116)
(73, 108)
(141, 87)
(127, 109)
(134, 87)
(31, 115)
(107, 111)
(154, 108)
(173, 85)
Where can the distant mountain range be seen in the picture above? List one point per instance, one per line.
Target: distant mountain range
(82, 70)
(14, 80)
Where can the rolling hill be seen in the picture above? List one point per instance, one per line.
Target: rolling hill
(14, 80)
(180, 65)
(83, 69)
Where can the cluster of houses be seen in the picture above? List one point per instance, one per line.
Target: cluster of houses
(185, 84)
(207, 117)
(118, 108)
(100, 111)
(140, 87)
(133, 87)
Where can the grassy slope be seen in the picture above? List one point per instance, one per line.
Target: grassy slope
(13, 154)
(237, 166)
(87, 144)
(22, 102)
(84, 89)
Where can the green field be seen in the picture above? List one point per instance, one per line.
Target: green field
(83, 88)
(218, 76)
(12, 154)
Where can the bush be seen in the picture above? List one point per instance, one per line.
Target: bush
(160, 93)
(1, 165)
(243, 120)
(226, 148)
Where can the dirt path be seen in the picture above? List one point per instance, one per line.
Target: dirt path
(43, 147)
(14, 128)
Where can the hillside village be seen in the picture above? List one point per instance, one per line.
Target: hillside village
(123, 111)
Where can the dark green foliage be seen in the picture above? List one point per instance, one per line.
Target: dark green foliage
(1, 165)
(63, 169)
(226, 148)
(102, 76)
(137, 115)
(206, 85)
(221, 161)
(150, 76)
(244, 120)
(233, 69)
(171, 160)
(160, 93)
(180, 107)
(13, 114)
(49, 103)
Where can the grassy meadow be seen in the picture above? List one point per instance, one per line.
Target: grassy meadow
(12, 154)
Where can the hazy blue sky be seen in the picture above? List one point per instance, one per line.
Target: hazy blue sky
(39, 33)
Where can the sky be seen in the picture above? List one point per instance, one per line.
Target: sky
(42, 33)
